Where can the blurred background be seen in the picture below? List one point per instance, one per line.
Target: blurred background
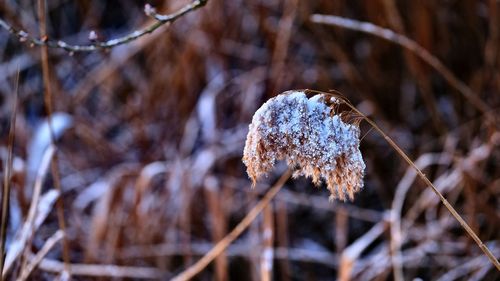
(150, 137)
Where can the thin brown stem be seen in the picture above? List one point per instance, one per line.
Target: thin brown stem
(48, 105)
(280, 52)
(228, 239)
(23, 36)
(267, 254)
(422, 176)
(6, 179)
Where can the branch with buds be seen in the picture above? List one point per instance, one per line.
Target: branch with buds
(23, 36)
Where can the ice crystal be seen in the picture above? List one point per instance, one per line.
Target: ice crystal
(311, 137)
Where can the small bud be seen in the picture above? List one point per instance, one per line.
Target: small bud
(62, 44)
(23, 36)
(149, 10)
(93, 36)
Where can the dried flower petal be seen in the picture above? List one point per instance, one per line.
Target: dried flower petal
(309, 136)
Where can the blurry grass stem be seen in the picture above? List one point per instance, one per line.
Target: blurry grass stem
(47, 84)
(37, 212)
(23, 36)
(33, 263)
(414, 47)
(6, 179)
(422, 176)
(352, 253)
(104, 271)
(226, 241)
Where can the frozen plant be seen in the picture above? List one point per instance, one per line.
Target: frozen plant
(311, 137)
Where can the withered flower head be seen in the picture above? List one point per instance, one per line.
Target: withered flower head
(311, 137)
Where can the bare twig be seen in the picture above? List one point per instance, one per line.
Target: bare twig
(6, 179)
(422, 176)
(23, 36)
(224, 243)
(414, 47)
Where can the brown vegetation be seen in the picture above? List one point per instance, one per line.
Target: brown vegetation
(145, 177)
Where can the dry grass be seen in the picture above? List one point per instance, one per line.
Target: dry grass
(150, 170)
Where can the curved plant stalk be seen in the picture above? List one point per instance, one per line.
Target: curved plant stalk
(422, 176)
(414, 47)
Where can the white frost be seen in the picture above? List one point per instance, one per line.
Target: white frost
(308, 134)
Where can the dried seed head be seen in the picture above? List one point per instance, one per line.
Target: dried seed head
(311, 137)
